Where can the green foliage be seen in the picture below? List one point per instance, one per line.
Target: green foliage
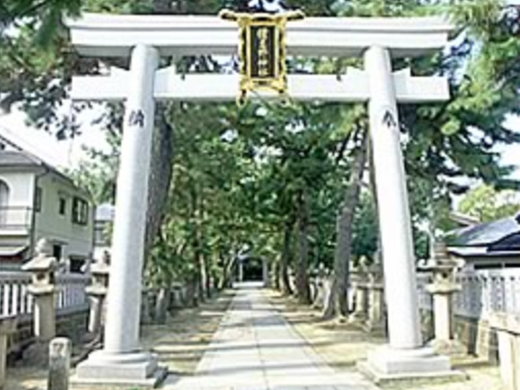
(240, 172)
(365, 230)
(488, 204)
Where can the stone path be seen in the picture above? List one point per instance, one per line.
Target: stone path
(256, 349)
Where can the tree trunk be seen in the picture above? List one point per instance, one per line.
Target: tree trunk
(338, 299)
(222, 282)
(285, 259)
(192, 290)
(159, 179)
(161, 305)
(274, 278)
(161, 164)
(203, 277)
(198, 259)
(228, 267)
(303, 292)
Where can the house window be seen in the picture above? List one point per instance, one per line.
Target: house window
(38, 196)
(77, 264)
(57, 251)
(63, 206)
(79, 211)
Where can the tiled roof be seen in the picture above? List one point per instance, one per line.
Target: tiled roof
(487, 233)
(19, 159)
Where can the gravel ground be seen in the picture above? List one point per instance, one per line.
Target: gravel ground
(342, 346)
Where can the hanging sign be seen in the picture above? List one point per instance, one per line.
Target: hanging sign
(262, 50)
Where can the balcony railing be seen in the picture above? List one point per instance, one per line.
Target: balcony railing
(15, 218)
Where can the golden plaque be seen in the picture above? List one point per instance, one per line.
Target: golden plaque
(262, 50)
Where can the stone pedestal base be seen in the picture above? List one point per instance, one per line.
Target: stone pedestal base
(136, 370)
(387, 365)
(358, 319)
(449, 347)
(375, 328)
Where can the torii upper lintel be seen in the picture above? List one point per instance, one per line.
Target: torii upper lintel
(103, 35)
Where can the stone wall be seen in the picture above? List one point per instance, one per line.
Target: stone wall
(71, 323)
(479, 338)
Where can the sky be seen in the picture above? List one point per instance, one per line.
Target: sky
(61, 154)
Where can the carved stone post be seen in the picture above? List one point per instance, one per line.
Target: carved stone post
(97, 292)
(42, 287)
(59, 364)
(376, 301)
(7, 327)
(443, 288)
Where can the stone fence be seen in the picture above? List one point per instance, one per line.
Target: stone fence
(71, 304)
(483, 294)
(15, 300)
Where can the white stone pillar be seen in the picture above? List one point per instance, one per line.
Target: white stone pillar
(121, 357)
(404, 355)
(394, 214)
(124, 291)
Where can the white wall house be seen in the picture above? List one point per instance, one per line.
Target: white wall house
(103, 221)
(37, 201)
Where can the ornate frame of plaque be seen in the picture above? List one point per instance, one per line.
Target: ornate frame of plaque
(262, 50)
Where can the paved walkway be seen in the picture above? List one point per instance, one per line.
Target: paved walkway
(256, 349)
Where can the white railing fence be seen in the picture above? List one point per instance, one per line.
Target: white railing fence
(483, 292)
(15, 299)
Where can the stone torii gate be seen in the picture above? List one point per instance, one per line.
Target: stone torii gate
(145, 39)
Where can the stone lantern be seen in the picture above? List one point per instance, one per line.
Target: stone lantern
(376, 300)
(359, 282)
(97, 292)
(443, 287)
(42, 287)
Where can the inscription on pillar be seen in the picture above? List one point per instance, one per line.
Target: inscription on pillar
(136, 118)
(389, 120)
